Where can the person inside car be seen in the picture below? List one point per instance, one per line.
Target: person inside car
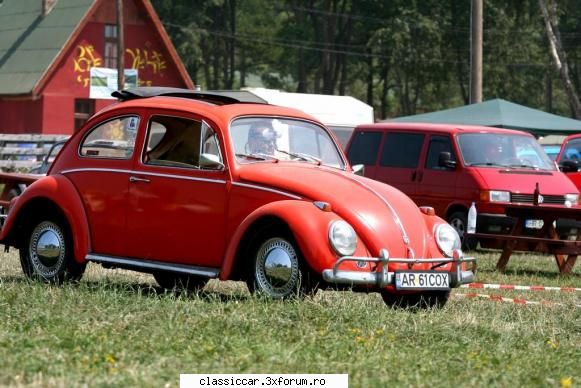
(261, 139)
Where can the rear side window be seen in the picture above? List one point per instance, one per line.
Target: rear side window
(402, 150)
(364, 148)
(114, 139)
(438, 144)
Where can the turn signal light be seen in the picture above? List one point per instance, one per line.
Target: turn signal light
(428, 210)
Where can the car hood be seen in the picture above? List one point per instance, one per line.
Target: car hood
(523, 181)
(382, 216)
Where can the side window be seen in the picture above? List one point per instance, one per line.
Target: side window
(572, 150)
(113, 139)
(364, 148)
(437, 145)
(180, 142)
(402, 150)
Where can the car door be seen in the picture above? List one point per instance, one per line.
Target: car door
(400, 159)
(178, 195)
(436, 185)
(101, 177)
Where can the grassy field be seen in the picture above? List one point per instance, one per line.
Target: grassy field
(115, 328)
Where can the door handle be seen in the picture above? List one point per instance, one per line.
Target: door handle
(136, 179)
(414, 173)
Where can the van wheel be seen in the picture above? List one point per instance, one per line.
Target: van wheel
(459, 221)
(47, 253)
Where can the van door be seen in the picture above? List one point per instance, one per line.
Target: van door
(363, 149)
(436, 185)
(399, 161)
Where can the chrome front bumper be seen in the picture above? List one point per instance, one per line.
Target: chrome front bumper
(384, 278)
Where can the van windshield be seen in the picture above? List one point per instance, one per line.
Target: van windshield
(503, 150)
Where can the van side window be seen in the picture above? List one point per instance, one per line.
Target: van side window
(402, 150)
(437, 145)
(364, 148)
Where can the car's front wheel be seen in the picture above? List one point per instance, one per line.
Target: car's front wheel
(459, 221)
(278, 269)
(171, 281)
(427, 299)
(47, 253)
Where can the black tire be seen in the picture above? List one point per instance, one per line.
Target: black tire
(175, 281)
(46, 253)
(459, 221)
(278, 269)
(423, 300)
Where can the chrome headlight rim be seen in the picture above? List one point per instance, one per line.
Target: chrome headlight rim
(448, 251)
(342, 251)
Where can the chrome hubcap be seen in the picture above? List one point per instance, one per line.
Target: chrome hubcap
(47, 249)
(277, 268)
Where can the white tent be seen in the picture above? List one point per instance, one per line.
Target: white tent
(340, 113)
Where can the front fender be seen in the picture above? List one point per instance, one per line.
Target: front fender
(60, 191)
(308, 224)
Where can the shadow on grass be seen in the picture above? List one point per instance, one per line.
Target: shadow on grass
(136, 288)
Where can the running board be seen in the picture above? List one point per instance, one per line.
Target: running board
(141, 265)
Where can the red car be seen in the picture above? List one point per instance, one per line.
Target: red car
(190, 186)
(569, 158)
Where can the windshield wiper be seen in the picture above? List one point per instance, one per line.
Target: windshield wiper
(258, 156)
(486, 164)
(305, 157)
(524, 166)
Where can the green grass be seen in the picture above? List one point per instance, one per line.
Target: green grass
(115, 328)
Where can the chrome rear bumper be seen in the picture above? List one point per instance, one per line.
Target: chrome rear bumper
(384, 278)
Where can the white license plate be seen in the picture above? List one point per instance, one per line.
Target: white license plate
(422, 280)
(534, 224)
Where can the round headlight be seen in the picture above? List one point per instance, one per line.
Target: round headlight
(447, 239)
(343, 238)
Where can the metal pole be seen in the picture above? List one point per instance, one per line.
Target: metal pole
(120, 47)
(476, 52)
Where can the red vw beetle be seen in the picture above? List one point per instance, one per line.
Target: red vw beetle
(190, 186)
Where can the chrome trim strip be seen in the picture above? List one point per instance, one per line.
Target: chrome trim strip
(396, 217)
(150, 264)
(187, 178)
(266, 189)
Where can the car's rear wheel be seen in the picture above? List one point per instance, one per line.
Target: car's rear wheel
(171, 281)
(47, 253)
(278, 270)
(459, 221)
(421, 300)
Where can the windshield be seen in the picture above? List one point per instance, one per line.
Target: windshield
(503, 150)
(273, 139)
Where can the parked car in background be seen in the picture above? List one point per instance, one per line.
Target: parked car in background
(450, 166)
(190, 186)
(569, 158)
(552, 150)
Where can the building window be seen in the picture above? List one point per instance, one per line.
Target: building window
(111, 46)
(84, 108)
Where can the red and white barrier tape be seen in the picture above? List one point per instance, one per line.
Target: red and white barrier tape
(518, 287)
(498, 298)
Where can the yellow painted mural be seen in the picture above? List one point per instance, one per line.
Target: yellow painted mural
(141, 59)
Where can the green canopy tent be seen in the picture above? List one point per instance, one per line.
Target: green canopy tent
(503, 114)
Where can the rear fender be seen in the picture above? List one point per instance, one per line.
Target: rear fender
(61, 192)
(308, 224)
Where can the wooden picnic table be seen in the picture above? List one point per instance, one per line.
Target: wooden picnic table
(544, 240)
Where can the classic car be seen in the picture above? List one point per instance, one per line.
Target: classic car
(190, 186)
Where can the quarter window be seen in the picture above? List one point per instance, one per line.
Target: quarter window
(402, 150)
(180, 142)
(364, 147)
(438, 144)
(114, 139)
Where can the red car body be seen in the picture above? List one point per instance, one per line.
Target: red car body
(510, 174)
(190, 224)
(569, 157)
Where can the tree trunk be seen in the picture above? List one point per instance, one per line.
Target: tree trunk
(558, 54)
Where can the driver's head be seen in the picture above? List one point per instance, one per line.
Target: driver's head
(261, 138)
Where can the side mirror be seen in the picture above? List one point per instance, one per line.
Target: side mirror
(569, 166)
(445, 160)
(359, 169)
(211, 161)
